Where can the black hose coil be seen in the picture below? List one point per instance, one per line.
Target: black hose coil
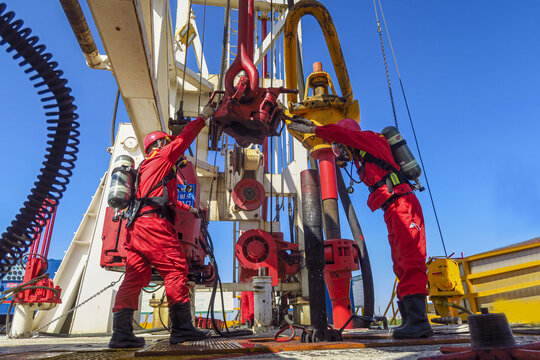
(62, 144)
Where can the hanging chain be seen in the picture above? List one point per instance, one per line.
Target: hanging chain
(410, 117)
(224, 48)
(271, 160)
(114, 116)
(223, 67)
(35, 332)
(214, 177)
(387, 74)
(379, 30)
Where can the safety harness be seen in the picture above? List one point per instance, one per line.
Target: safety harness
(393, 178)
(161, 204)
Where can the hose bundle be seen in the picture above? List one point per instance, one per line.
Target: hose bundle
(208, 248)
(62, 139)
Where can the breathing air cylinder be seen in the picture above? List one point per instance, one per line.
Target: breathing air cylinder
(121, 182)
(402, 154)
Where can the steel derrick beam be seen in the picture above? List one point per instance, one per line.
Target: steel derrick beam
(137, 39)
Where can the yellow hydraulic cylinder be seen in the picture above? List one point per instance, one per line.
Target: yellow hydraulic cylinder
(322, 107)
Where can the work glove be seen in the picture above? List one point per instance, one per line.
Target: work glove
(194, 211)
(302, 125)
(207, 113)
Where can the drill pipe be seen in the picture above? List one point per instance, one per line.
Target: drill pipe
(313, 239)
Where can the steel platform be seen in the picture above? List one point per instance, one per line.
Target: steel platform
(371, 344)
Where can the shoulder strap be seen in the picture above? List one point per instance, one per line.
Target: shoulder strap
(163, 181)
(379, 162)
(394, 176)
(159, 202)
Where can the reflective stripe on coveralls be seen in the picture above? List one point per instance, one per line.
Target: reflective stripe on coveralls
(152, 241)
(403, 217)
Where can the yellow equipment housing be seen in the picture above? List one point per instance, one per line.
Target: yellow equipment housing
(322, 107)
(444, 284)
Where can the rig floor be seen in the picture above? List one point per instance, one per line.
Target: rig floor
(367, 344)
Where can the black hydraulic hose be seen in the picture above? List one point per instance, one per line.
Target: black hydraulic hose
(312, 222)
(62, 144)
(208, 248)
(365, 266)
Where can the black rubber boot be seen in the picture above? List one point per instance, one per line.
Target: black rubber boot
(123, 336)
(403, 313)
(417, 325)
(181, 327)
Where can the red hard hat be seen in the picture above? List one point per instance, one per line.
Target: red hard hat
(349, 124)
(153, 137)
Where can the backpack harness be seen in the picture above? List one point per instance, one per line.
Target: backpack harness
(393, 178)
(161, 204)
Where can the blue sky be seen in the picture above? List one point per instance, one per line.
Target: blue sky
(470, 71)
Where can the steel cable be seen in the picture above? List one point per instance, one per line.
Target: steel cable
(379, 30)
(62, 139)
(200, 79)
(412, 126)
(115, 110)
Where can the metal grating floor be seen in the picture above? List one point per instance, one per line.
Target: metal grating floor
(355, 342)
(268, 345)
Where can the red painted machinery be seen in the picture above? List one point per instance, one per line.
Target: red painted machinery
(42, 291)
(341, 258)
(341, 255)
(247, 112)
(248, 194)
(259, 249)
(188, 227)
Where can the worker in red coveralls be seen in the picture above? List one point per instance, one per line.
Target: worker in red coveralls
(392, 193)
(248, 306)
(247, 298)
(152, 241)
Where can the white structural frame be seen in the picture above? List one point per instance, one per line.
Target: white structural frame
(148, 64)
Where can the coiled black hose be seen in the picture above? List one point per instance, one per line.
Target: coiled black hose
(62, 144)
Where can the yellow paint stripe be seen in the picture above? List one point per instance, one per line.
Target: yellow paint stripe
(506, 289)
(503, 270)
(500, 252)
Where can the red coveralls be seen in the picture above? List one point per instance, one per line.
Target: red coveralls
(152, 241)
(247, 298)
(247, 301)
(403, 217)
